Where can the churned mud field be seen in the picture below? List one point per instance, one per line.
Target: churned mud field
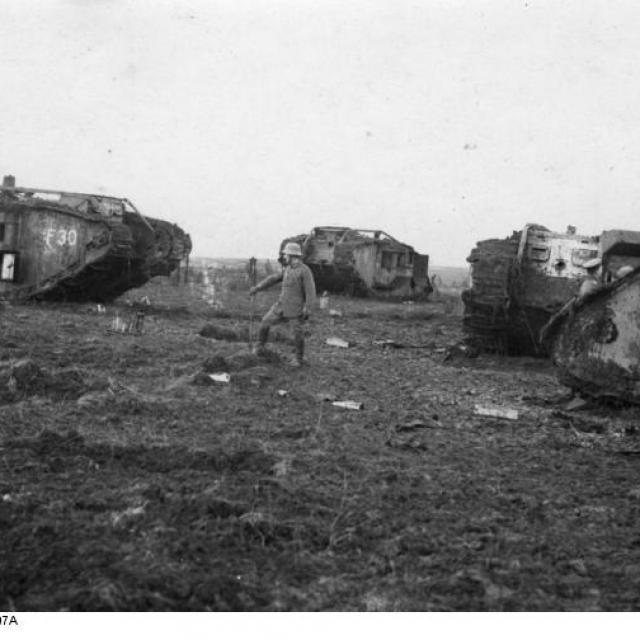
(131, 480)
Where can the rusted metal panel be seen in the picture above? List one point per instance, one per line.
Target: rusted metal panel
(49, 243)
(366, 263)
(556, 255)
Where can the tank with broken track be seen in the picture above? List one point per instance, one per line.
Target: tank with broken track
(520, 282)
(362, 262)
(58, 245)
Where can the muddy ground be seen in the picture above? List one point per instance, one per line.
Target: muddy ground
(129, 480)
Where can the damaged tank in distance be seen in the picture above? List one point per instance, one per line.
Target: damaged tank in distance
(363, 262)
(519, 283)
(58, 245)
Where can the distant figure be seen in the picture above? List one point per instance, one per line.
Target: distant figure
(294, 304)
(571, 230)
(252, 271)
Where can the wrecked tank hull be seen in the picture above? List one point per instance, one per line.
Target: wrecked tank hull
(58, 245)
(595, 344)
(363, 263)
(518, 283)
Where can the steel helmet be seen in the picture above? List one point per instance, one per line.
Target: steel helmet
(292, 249)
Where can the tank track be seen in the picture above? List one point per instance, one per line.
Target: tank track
(487, 304)
(172, 245)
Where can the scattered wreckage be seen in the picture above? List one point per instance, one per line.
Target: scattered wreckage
(57, 245)
(519, 283)
(363, 262)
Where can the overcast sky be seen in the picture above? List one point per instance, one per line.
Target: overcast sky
(440, 122)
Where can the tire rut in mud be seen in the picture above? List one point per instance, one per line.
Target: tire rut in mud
(71, 446)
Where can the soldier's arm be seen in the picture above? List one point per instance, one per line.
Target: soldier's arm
(269, 281)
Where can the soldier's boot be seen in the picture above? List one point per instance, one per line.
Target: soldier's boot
(263, 334)
(299, 351)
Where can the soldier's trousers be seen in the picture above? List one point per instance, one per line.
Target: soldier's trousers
(273, 317)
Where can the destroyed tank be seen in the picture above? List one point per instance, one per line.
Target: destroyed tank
(361, 262)
(58, 245)
(519, 283)
(594, 342)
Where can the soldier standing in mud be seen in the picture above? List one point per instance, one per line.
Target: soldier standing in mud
(294, 304)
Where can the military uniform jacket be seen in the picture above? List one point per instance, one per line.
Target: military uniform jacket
(298, 290)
